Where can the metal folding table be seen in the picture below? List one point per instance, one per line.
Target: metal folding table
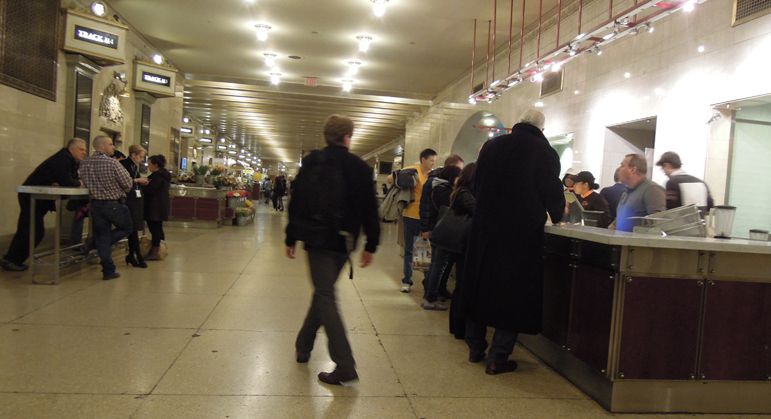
(48, 193)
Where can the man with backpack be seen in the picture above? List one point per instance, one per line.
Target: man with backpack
(411, 213)
(332, 200)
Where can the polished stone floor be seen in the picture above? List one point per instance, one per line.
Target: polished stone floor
(209, 332)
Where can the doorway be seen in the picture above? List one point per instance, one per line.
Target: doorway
(634, 137)
(749, 153)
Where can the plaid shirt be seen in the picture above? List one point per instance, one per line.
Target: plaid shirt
(104, 177)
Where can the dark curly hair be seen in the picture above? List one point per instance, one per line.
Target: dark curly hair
(158, 160)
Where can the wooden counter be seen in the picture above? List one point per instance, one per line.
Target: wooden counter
(650, 324)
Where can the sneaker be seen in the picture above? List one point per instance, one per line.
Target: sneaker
(435, 305)
(406, 287)
(13, 267)
(338, 377)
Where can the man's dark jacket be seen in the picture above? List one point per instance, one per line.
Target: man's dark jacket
(427, 212)
(60, 169)
(359, 204)
(516, 184)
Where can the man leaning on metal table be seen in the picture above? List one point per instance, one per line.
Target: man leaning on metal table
(107, 182)
(61, 169)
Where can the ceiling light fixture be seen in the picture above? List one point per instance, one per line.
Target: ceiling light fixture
(538, 104)
(270, 59)
(262, 31)
(275, 78)
(353, 68)
(205, 140)
(537, 78)
(556, 67)
(185, 119)
(379, 7)
(364, 41)
(700, 49)
(627, 75)
(689, 5)
(158, 59)
(347, 85)
(98, 8)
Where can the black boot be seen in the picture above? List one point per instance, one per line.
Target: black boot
(135, 260)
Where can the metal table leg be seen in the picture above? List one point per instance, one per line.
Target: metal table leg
(57, 240)
(32, 236)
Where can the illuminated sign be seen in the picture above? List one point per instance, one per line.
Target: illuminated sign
(96, 37)
(186, 130)
(155, 79)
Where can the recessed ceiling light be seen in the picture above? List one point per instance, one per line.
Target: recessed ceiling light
(262, 31)
(378, 7)
(538, 104)
(627, 75)
(98, 8)
(270, 59)
(275, 78)
(347, 85)
(576, 92)
(700, 49)
(364, 41)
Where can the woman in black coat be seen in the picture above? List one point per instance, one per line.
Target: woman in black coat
(517, 182)
(463, 203)
(135, 203)
(157, 202)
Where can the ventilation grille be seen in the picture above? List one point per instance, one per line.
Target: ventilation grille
(28, 45)
(552, 83)
(746, 10)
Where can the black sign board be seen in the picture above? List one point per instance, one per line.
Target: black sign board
(94, 36)
(186, 130)
(155, 79)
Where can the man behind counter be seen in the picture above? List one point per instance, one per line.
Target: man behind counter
(642, 197)
(60, 169)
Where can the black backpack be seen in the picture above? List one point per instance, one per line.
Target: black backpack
(316, 206)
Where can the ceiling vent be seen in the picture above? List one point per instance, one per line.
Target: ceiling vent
(746, 10)
(552, 83)
(311, 81)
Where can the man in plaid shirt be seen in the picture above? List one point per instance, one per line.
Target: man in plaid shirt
(107, 182)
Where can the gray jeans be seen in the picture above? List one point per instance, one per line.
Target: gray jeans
(325, 268)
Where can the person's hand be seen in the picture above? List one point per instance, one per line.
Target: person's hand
(425, 235)
(290, 252)
(366, 259)
(141, 181)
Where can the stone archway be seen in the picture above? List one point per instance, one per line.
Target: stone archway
(473, 134)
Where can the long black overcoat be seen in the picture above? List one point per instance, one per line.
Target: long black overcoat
(517, 182)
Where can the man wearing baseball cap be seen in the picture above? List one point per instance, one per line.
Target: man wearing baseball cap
(682, 188)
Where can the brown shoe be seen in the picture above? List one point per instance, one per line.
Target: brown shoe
(154, 253)
(500, 367)
(339, 377)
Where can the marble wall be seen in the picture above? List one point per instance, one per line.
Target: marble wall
(669, 79)
(33, 128)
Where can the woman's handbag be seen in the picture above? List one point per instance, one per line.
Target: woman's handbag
(451, 231)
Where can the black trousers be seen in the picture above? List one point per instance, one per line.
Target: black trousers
(156, 230)
(503, 341)
(325, 268)
(18, 251)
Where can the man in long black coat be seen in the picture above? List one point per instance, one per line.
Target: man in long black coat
(517, 183)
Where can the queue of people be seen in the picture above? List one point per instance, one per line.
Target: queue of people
(120, 201)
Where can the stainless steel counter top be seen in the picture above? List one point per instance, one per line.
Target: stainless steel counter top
(623, 238)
